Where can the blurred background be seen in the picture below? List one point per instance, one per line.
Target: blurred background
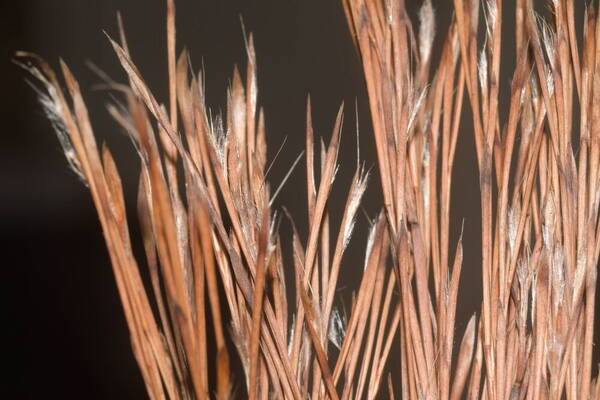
(65, 320)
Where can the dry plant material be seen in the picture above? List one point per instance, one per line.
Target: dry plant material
(213, 246)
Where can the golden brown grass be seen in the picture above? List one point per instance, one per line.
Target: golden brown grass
(214, 252)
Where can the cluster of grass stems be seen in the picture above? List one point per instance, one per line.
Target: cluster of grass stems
(214, 252)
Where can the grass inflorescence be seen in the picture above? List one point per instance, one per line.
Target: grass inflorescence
(214, 252)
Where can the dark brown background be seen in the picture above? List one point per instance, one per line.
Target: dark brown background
(65, 322)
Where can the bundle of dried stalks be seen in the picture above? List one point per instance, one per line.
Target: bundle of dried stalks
(213, 248)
